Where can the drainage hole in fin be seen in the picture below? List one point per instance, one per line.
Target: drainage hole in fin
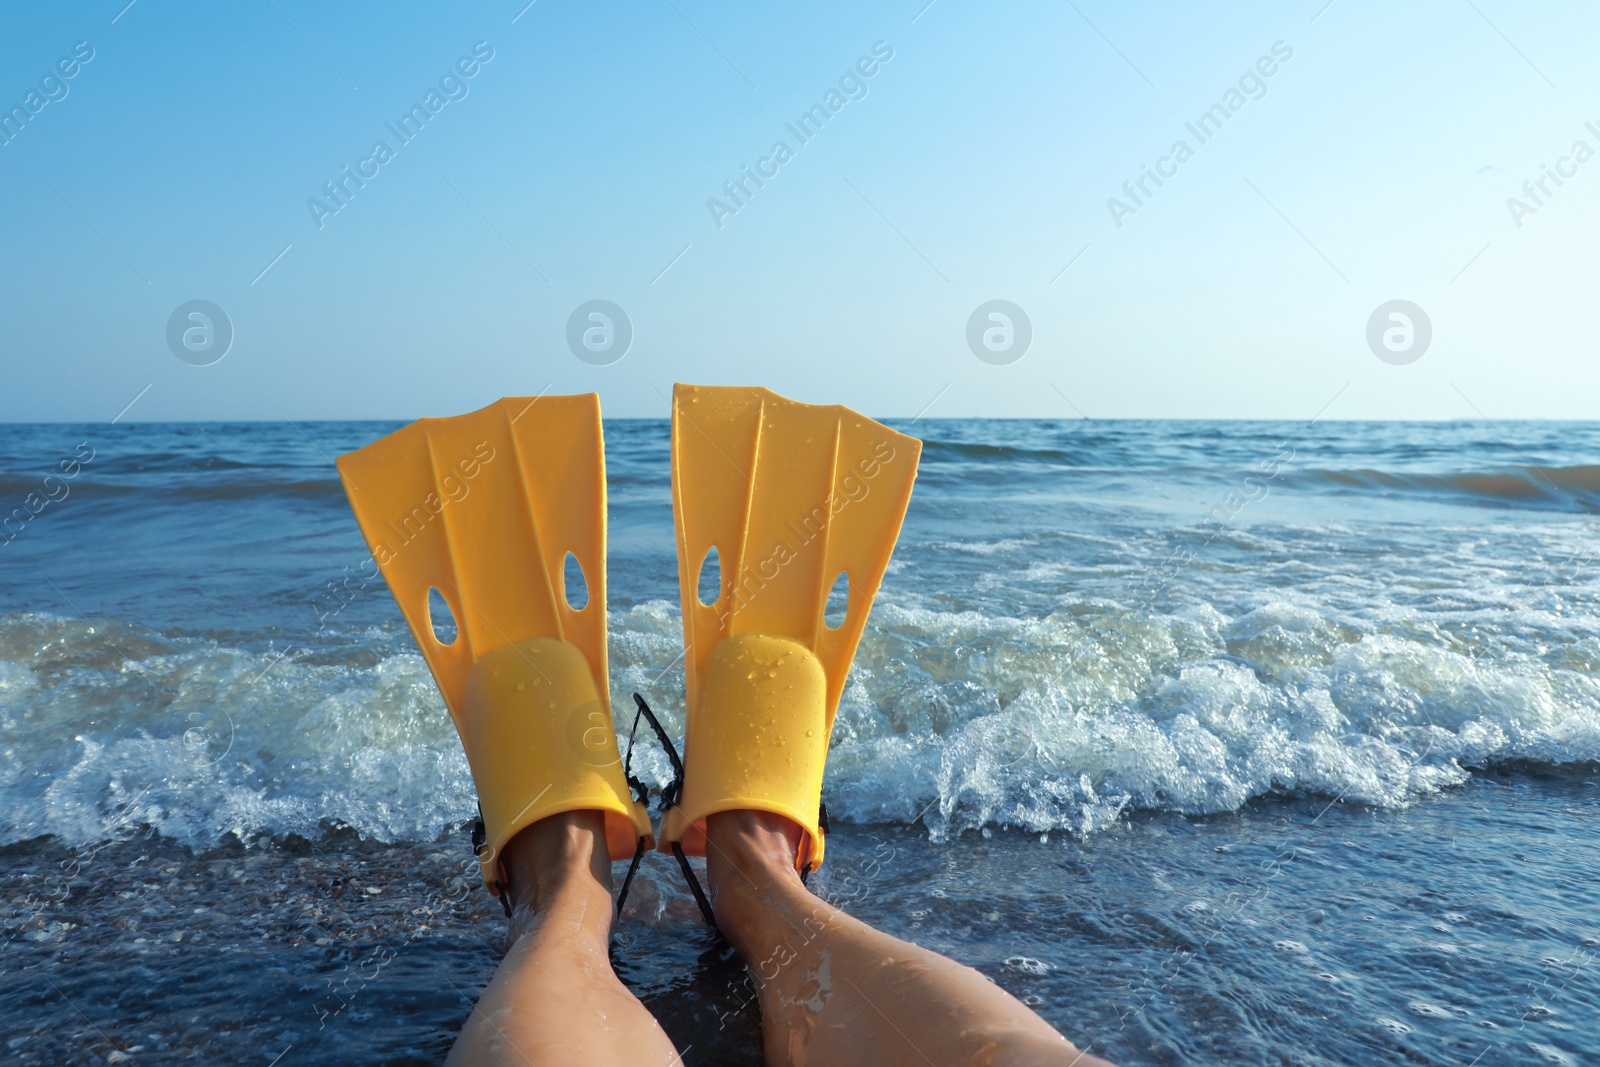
(838, 605)
(710, 581)
(574, 586)
(441, 618)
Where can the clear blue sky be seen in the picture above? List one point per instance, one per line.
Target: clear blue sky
(1376, 164)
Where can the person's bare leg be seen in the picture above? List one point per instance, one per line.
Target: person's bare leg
(554, 999)
(834, 991)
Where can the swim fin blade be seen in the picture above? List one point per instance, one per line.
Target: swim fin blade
(791, 497)
(484, 508)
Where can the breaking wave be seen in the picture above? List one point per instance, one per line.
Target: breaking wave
(958, 719)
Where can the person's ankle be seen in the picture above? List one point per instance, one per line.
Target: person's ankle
(558, 859)
(750, 857)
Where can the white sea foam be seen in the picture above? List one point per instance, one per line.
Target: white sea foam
(964, 719)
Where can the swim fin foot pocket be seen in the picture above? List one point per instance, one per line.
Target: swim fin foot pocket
(482, 511)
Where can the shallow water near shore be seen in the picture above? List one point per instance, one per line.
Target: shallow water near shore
(1291, 931)
(1215, 742)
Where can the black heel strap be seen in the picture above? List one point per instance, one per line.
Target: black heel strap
(694, 887)
(669, 795)
(633, 868)
(669, 799)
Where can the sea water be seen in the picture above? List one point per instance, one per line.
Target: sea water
(1214, 741)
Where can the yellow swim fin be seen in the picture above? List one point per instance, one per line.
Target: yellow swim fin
(791, 496)
(484, 508)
